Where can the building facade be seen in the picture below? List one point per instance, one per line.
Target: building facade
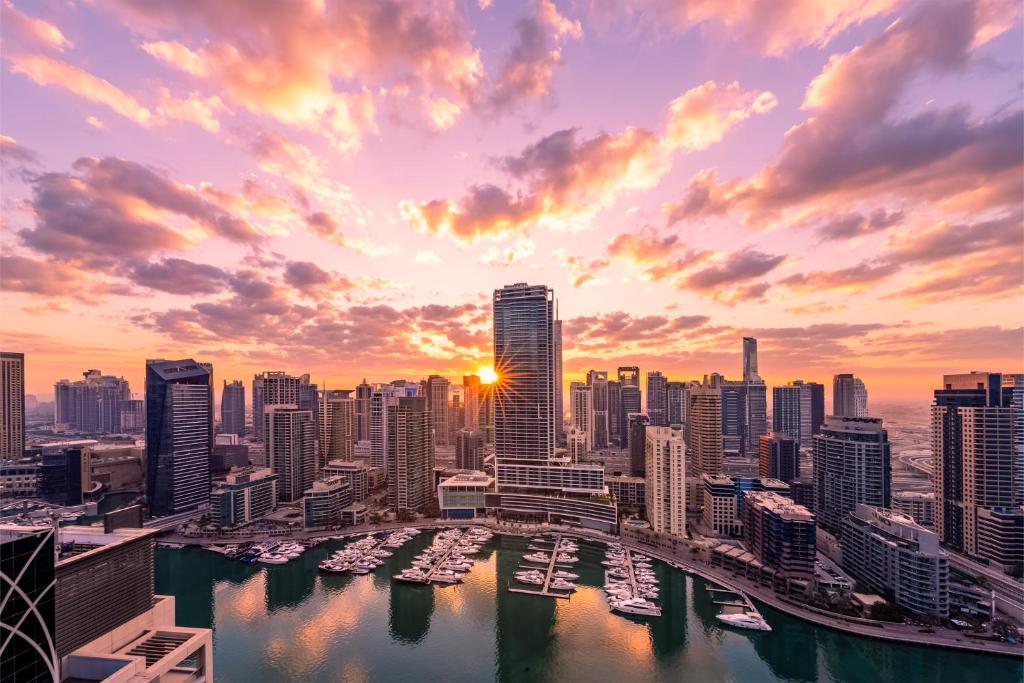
(849, 396)
(704, 440)
(323, 502)
(665, 455)
(232, 408)
(657, 399)
(469, 449)
(244, 496)
(410, 454)
(12, 405)
(289, 434)
(597, 380)
(778, 457)
(780, 534)
(91, 405)
(852, 465)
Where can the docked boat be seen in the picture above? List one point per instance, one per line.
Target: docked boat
(565, 558)
(565, 575)
(749, 620)
(636, 606)
(272, 558)
(537, 557)
(563, 585)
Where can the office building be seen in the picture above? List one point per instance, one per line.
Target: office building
(324, 500)
(581, 412)
(471, 389)
(576, 445)
(918, 505)
(437, 393)
(464, 495)
(616, 425)
(357, 473)
(849, 396)
(851, 465)
(337, 426)
(362, 408)
(778, 457)
(64, 472)
(469, 449)
(755, 399)
(410, 454)
(27, 564)
(719, 514)
(638, 444)
(1000, 537)
(11, 406)
(629, 400)
(179, 434)
(657, 399)
(289, 435)
(232, 408)
(675, 398)
(750, 359)
(133, 416)
(556, 336)
(91, 405)
(891, 554)
(665, 479)
(975, 460)
(704, 440)
(282, 389)
(228, 452)
(245, 495)
(1013, 395)
(780, 534)
(530, 483)
(597, 380)
(629, 376)
(798, 410)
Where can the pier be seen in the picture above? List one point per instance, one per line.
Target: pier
(429, 575)
(744, 605)
(545, 590)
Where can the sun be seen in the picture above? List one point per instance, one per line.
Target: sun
(487, 375)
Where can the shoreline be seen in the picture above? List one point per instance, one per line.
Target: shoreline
(774, 602)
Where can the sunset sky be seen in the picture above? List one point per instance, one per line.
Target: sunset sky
(338, 187)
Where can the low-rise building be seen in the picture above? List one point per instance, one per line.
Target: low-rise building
(893, 555)
(628, 492)
(228, 452)
(322, 504)
(245, 495)
(464, 495)
(357, 473)
(118, 467)
(19, 478)
(918, 505)
(780, 533)
(719, 515)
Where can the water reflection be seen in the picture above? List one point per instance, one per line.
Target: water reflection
(410, 611)
(524, 622)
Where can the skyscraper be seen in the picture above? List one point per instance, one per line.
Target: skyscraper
(289, 435)
(629, 404)
(675, 397)
(638, 444)
(704, 447)
(750, 360)
(851, 465)
(598, 382)
(975, 463)
(410, 454)
(786, 411)
(665, 467)
(232, 408)
(798, 410)
(381, 397)
(581, 412)
(363, 391)
(657, 399)
(471, 392)
(849, 396)
(179, 434)
(469, 449)
(616, 425)
(778, 458)
(629, 376)
(437, 391)
(91, 404)
(12, 404)
(556, 330)
(280, 388)
(337, 426)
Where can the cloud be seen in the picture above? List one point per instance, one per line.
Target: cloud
(14, 155)
(520, 250)
(854, 224)
(736, 267)
(180, 276)
(49, 279)
(111, 208)
(658, 256)
(427, 257)
(854, 278)
(312, 280)
(769, 27)
(530, 66)
(1001, 277)
(23, 31)
(617, 328)
(563, 178)
(852, 148)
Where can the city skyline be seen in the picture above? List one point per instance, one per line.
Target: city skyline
(350, 217)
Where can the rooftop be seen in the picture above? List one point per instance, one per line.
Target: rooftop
(779, 504)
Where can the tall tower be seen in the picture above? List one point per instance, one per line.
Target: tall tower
(280, 388)
(849, 396)
(289, 434)
(704, 446)
(179, 434)
(471, 391)
(410, 454)
(851, 466)
(363, 391)
(657, 399)
(580, 409)
(524, 359)
(750, 360)
(559, 388)
(438, 389)
(666, 480)
(12, 404)
(337, 426)
(232, 408)
(598, 382)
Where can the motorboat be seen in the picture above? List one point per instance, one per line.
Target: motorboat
(566, 558)
(565, 575)
(563, 585)
(537, 557)
(536, 581)
(272, 558)
(748, 620)
(612, 563)
(636, 606)
(332, 567)
(446, 578)
(637, 557)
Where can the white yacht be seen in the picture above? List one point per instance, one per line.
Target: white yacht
(537, 557)
(272, 558)
(749, 620)
(636, 606)
(563, 585)
(565, 575)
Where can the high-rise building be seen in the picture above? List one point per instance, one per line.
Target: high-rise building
(410, 454)
(282, 389)
(363, 393)
(849, 396)
(918, 505)
(324, 500)
(1014, 384)
(629, 376)
(780, 534)
(556, 333)
(616, 425)
(598, 382)
(675, 397)
(851, 465)
(750, 360)
(179, 434)
(12, 405)
(232, 408)
(665, 455)
(471, 394)
(581, 411)
(437, 391)
(576, 444)
(64, 472)
(638, 444)
(894, 556)
(469, 449)
(657, 399)
(704, 431)
(975, 461)
(629, 404)
(337, 426)
(798, 410)
(289, 434)
(92, 404)
(27, 558)
(381, 397)
(529, 481)
(778, 457)
(245, 495)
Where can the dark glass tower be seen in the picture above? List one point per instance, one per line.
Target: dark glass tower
(179, 434)
(232, 408)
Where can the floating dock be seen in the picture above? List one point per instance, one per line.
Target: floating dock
(545, 590)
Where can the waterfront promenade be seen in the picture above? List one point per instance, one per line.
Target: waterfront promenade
(903, 633)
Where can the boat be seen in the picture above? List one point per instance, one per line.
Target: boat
(749, 620)
(537, 557)
(636, 606)
(332, 567)
(565, 575)
(531, 580)
(272, 558)
(563, 585)
(565, 558)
